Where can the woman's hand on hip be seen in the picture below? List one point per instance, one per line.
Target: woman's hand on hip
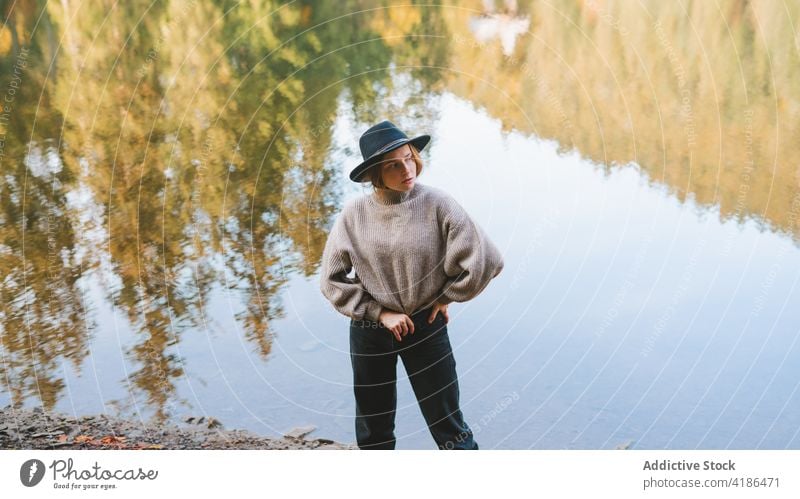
(398, 323)
(439, 307)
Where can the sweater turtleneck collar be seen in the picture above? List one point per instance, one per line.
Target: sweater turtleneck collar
(391, 196)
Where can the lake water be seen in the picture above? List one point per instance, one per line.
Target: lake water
(169, 174)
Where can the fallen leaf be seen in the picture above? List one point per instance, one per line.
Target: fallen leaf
(112, 440)
(82, 438)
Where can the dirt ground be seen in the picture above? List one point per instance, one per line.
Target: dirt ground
(37, 429)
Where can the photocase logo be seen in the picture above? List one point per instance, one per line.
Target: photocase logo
(31, 472)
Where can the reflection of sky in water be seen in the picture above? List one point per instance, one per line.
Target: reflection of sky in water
(621, 315)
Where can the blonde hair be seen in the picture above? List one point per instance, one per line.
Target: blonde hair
(375, 173)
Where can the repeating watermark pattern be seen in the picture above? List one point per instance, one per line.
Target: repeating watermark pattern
(476, 427)
(769, 280)
(201, 169)
(628, 283)
(548, 221)
(7, 106)
(550, 97)
(607, 17)
(748, 170)
(162, 386)
(683, 88)
(683, 287)
(155, 50)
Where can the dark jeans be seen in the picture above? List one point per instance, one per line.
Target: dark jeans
(428, 360)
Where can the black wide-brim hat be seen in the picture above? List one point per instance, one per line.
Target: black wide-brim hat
(380, 139)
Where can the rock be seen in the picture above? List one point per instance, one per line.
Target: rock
(625, 445)
(135, 434)
(24, 429)
(47, 434)
(300, 432)
(73, 432)
(209, 422)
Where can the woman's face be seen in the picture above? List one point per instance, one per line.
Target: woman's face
(398, 169)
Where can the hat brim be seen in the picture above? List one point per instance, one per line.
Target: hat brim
(357, 173)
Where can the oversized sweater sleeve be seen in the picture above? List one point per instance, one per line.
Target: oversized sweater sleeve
(471, 259)
(346, 294)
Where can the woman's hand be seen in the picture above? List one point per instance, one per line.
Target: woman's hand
(438, 307)
(399, 324)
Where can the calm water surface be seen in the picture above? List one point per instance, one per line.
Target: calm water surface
(170, 171)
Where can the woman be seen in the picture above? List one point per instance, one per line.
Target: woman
(413, 250)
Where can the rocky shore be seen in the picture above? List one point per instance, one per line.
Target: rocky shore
(38, 429)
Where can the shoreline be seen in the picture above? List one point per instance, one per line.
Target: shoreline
(36, 429)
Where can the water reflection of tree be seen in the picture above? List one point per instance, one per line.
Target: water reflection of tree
(197, 149)
(206, 142)
(612, 82)
(42, 315)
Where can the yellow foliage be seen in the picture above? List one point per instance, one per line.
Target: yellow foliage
(5, 40)
(395, 22)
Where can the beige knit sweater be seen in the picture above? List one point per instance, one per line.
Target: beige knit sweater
(407, 250)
